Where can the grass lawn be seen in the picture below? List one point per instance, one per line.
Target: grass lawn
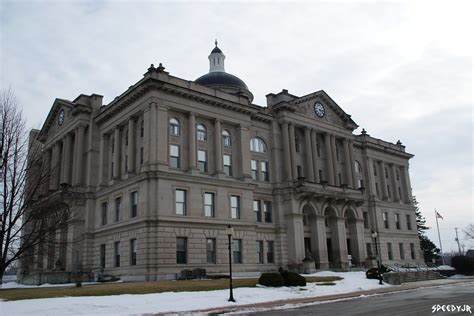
(137, 288)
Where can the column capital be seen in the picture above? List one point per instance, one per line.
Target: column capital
(192, 114)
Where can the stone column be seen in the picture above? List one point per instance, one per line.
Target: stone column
(153, 136)
(192, 141)
(339, 234)
(357, 241)
(406, 184)
(103, 159)
(131, 144)
(294, 169)
(384, 181)
(318, 242)
(286, 151)
(330, 168)
(47, 156)
(309, 155)
(393, 174)
(218, 146)
(117, 143)
(66, 159)
(295, 235)
(55, 171)
(372, 179)
(351, 156)
(347, 160)
(314, 145)
(79, 150)
(334, 158)
(162, 142)
(245, 152)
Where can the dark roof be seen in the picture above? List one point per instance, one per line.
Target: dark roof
(220, 78)
(216, 50)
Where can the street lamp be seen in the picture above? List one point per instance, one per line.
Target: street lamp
(374, 235)
(230, 232)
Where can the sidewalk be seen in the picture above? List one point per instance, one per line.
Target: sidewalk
(277, 303)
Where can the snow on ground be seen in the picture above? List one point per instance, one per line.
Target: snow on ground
(182, 301)
(14, 285)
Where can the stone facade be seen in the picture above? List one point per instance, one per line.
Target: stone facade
(168, 164)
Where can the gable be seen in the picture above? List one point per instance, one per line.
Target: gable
(333, 114)
(51, 125)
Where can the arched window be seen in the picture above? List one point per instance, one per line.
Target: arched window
(226, 139)
(358, 167)
(174, 127)
(201, 132)
(142, 129)
(258, 145)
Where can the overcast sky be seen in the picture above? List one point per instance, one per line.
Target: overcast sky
(403, 70)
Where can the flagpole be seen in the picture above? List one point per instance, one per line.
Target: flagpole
(439, 237)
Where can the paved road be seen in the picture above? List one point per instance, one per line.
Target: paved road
(414, 302)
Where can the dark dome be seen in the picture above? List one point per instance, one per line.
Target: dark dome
(220, 78)
(216, 50)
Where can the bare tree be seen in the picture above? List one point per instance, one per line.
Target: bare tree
(28, 215)
(469, 231)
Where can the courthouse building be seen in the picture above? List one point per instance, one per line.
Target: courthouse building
(168, 164)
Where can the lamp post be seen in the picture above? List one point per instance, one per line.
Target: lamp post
(230, 232)
(374, 235)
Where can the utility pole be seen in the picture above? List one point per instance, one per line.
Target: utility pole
(457, 240)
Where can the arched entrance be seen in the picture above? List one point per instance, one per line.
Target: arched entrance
(335, 239)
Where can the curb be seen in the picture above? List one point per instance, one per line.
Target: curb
(305, 300)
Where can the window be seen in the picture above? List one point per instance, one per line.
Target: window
(408, 222)
(202, 161)
(368, 248)
(209, 204)
(226, 138)
(211, 250)
(126, 163)
(126, 138)
(227, 165)
(375, 169)
(377, 189)
(318, 150)
(258, 211)
(237, 250)
(366, 219)
(141, 155)
(412, 251)
(389, 192)
(358, 167)
(134, 203)
(118, 206)
(399, 192)
(181, 250)
(175, 161)
(267, 210)
(360, 183)
(102, 256)
(389, 251)
(254, 169)
(133, 252)
(260, 251)
(235, 206)
(174, 127)
(104, 213)
(297, 144)
(320, 173)
(258, 145)
(142, 129)
(337, 152)
(397, 175)
(264, 171)
(397, 220)
(339, 177)
(180, 202)
(117, 253)
(402, 251)
(385, 219)
(299, 171)
(385, 172)
(270, 252)
(201, 132)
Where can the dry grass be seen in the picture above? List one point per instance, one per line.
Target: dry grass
(136, 288)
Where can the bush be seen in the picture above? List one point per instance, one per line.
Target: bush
(293, 279)
(463, 264)
(372, 273)
(271, 279)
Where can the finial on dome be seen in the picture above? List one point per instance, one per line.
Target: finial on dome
(215, 42)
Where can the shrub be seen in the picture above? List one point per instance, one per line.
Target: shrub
(372, 273)
(463, 264)
(293, 279)
(271, 279)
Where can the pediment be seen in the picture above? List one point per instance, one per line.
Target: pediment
(333, 113)
(52, 124)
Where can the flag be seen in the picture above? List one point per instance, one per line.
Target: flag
(438, 215)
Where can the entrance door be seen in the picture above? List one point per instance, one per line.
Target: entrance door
(329, 247)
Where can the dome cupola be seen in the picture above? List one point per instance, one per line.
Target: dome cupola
(218, 79)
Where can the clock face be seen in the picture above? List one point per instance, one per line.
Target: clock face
(319, 109)
(61, 117)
